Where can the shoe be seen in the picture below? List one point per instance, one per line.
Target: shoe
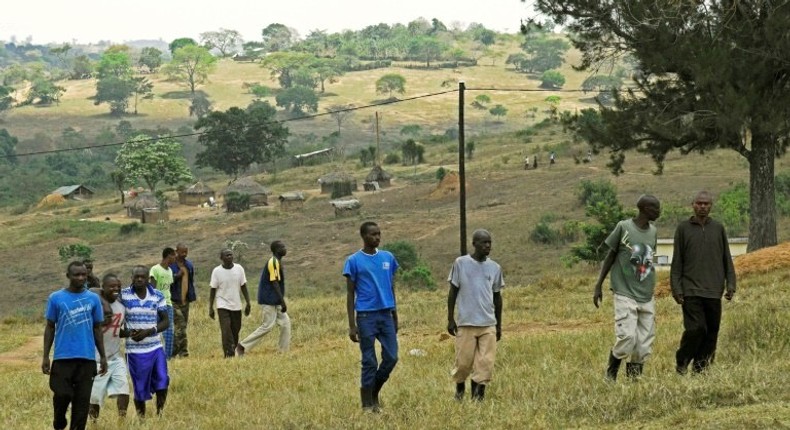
(366, 395)
(460, 389)
(633, 370)
(478, 391)
(239, 351)
(613, 367)
(375, 394)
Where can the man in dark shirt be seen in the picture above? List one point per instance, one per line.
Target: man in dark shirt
(701, 266)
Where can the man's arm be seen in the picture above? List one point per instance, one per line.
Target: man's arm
(278, 291)
(394, 310)
(98, 340)
(452, 296)
(353, 333)
(163, 321)
(247, 299)
(211, 297)
(676, 269)
(49, 337)
(729, 267)
(606, 266)
(498, 314)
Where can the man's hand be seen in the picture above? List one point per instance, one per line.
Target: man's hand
(729, 294)
(247, 310)
(498, 333)
(452, 328)
(45, 365)
(283, 307)
(353, 334)
(597, 296)
(678, 298)
(103, 366)
(211, 313)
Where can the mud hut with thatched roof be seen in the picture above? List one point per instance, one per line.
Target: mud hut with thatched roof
(135, 207)
(196, 195)
(259, 196)
(292, 201)
(345, 183)
(346, 207)
(378, 175)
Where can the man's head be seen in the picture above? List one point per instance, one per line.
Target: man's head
(702, 204)
(88, 265)
(226, 255)
(110, 287)
(371, 234)
(139, 276)
(168, 255)
(77, 274)
(649, 207)
(278, 248)
(181, 252)
(481, 241)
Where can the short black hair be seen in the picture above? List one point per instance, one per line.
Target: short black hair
(364, 227)
(106, 278)
(168, 252)
(276, 244)
(139, 267)
(74, 264)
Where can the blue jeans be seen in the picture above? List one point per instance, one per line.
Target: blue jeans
(377, 325)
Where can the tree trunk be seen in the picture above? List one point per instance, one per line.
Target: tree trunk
(762, 201)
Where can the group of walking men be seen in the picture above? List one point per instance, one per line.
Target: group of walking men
(701, 268)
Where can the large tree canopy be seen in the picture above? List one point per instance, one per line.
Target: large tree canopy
(236, 138)
(712, 74)
(152, 162)
(191, 66)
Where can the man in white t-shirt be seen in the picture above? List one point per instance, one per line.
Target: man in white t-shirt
(475, 284)
(115, 382)
(228, 283)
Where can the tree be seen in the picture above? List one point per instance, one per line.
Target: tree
(191, 66)
(326, 69)
(284, 65)
(224, 40)
(389, 83)
(62, 54)
(554, 105)
(143, 89)
(498, 111)
(412, 130)
(413, 152)
(180, 43)
(340, 113)
(119, 180)
(114, 84)
(277, 37)
(297, 99)
(153, 161)
(427, 49)
(545, 52)
(552, 79)
(235, 139)
(711, 75)
(82, 67)
(6, 99)
(151, 58)
(7, 147)
(481, 101)
(44, 92)
(200, 106)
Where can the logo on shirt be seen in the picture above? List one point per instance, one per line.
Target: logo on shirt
(641, 257)
(385, 265)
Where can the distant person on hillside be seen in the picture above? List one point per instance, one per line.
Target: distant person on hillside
(535, 162)
(701, 267)
(146, 316)
(372, 314)
(182, 293)
(92, 281)
(271, 297)
(631, 248)
(228, 283)
(114, 383)
(552, 157)
(526, 163)
(74, 319)
(475, 285)
(161, 277)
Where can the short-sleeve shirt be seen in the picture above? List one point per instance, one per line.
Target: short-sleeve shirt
(372, 275)
(74, 315)
(228, 284)
(111, 331)
(633, 274)
(272, 272)
(477, 281)
(164, 278)
(143, 314)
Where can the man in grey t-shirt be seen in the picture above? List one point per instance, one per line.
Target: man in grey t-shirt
(475, 284)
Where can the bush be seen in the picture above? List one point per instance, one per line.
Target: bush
(732, 209)
(392, 158)
(85, 210)
(419, 277)
(441, 172)
(405, 252)
(236, 202)
(76, 250)
(132, 228)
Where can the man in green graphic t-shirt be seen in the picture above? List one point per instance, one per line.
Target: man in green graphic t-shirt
(630, 259)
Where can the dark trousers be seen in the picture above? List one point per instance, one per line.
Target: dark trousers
(179, 324)
(701, 322)
(372, 326)
(71, 382)
(229, 327)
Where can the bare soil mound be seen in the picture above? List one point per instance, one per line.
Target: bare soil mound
(449, 186)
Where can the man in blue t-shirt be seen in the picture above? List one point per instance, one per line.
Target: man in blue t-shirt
(74, 319)
(370, 303)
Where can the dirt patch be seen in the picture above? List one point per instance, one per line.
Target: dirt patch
(753, 263)
(449, 186)
(26, 354)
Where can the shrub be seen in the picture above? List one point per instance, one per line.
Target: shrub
(420, 277)
(441, 172)
(732, 209)
(392, 158)
(132, 228)
(85, 210)
(405, 252)
(236, 202)
(76, 250)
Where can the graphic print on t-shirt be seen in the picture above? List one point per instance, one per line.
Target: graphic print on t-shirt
(641, 257)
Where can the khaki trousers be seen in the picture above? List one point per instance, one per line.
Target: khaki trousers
(475, 352)
(271, 315)
(634, 329)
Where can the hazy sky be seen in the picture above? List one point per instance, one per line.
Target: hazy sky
(93, 20)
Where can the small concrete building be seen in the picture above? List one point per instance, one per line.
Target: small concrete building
(292, 201)
(74, 192)
(196, 195)
(665, 249)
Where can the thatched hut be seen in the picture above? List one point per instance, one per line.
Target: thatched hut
(196, 195)
(346, 207)
(134, 207)
(377, 174)
(154, 216)
(292, 201)
(259, 196)
(331, 181)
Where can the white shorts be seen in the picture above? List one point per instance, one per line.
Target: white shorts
(113, 383)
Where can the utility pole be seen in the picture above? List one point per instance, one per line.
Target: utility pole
(461, 166)
(378, 142)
